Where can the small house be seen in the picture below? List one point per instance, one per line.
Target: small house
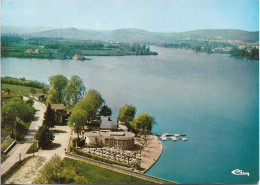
(37, 51)
(29, 51)
(60, 113)
(40, 96)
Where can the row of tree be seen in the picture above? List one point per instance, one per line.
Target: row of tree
(87, 109)
(65, 91)
(251, 54)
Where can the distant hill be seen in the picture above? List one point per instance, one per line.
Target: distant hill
(227, 34)
(143, 36)
(22, 29)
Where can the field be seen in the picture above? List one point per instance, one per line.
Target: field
(18, 88)
(78, 172)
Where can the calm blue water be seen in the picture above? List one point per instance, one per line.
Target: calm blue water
(212, 98)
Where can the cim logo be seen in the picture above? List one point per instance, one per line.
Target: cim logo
(239, 172)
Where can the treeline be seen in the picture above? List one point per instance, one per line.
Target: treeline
(63, 45)
(251, 54)
(139, 49)
(216, 47)
(51, 48)
(197, 45)
(23, 82)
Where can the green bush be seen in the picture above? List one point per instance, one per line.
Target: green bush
(80, 141)
(29, 102)
(85, 154)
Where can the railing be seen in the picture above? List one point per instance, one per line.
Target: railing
(9, 147)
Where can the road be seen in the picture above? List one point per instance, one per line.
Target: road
(22, 147)
(31, 168)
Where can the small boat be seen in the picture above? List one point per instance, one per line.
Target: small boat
(176, 135)
(184, 139)
(174, 138)
(164, 138)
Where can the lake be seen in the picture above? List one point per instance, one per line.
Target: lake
(212, 98)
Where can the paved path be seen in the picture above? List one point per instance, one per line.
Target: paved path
(31, 168)
(22, 147)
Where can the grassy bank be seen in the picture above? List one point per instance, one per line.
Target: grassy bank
(19, 88)
(78, 172)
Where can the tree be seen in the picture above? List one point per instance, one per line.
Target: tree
(127, 114)
(29, 102)
(52, 96)
(58, 85)
(78, 119)
(143, 123)
(105, 111)
(51, 168)
(49, 117)
(44, 136)
(91, 102)
(75, 90)
(56, 164)
(16, 108)
(254, 54)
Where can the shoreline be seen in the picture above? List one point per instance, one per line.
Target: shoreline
(151, 153)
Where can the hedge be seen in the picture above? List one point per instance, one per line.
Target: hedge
(80, 141)
(85, 154)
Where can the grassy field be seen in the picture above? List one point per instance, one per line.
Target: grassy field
(78, 172)
(18, 88)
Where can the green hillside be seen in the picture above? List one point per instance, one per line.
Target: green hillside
(142, 36)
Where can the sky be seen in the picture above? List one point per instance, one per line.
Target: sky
(151, 15)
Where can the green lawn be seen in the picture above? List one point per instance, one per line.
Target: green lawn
(78, 172)
(18, 88)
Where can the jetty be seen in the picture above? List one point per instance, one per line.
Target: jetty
(173, 137)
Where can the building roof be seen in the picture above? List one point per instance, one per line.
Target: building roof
(108, 123)
(116, 135)
(58, 106)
